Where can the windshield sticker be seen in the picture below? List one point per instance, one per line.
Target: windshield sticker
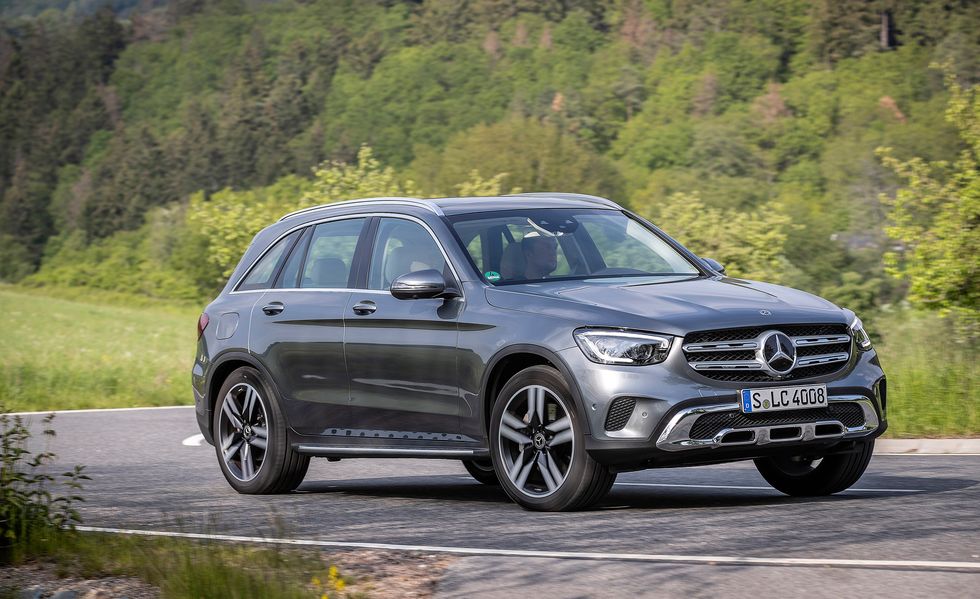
(492, 276)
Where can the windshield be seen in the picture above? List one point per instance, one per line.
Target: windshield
(521, 246)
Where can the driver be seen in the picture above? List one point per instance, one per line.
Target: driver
(540, 255)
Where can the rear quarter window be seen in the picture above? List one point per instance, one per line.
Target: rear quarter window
(263, 273)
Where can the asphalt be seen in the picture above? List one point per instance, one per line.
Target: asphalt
(906, 509)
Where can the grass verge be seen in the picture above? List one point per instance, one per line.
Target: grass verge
(58, 353)
(933, 380)
(186, 569)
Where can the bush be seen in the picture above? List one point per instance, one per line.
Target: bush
(29, 510)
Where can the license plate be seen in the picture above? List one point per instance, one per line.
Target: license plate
(773, 399)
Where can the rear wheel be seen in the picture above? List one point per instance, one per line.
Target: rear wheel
(250, 437)
(806, 476)
(481, 470)
(538, 447)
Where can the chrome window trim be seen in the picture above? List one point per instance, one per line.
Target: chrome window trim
(313, 223)
(382, 200)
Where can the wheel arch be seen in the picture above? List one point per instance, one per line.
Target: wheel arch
(513, 359)
(221, 368)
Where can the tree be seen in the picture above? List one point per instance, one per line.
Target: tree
(536, 156)
(751, 245)
(935, 216)
(231, 218)
(24, 210)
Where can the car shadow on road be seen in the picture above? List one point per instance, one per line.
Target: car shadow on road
(456, 488)
(445, 487)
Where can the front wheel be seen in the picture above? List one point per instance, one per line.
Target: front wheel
(538, 446)
(807, 476)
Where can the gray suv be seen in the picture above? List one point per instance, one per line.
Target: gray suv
(547, 340)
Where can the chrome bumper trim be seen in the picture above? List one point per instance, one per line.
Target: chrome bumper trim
(676, 436)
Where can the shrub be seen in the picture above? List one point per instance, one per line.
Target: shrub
(29, 509)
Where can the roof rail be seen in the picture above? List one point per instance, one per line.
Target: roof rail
(384, 200)
(569, 196)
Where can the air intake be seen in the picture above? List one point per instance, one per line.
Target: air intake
(619, 413)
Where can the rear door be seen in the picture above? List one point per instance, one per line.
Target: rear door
(401, 354)
(298, 327)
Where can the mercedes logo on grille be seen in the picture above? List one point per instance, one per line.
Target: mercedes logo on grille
(776, 353)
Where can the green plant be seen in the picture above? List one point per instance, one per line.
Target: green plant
(29, 507)
(192, 569)
(934, 217)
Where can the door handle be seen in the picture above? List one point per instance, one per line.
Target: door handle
(365, 307)
(273, 308)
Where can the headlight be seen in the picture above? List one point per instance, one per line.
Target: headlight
(860, 335)
(622, 347)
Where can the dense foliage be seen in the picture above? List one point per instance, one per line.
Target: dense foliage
(133, 142)
(935, 217)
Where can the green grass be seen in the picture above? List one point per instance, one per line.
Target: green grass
(101, 350)
(186, 569)
(933, 380)
(58, 353)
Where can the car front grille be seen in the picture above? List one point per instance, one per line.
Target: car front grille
(619, 413)
(730, 355)
(707, 426)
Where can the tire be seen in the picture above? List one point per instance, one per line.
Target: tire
(800, 477)
(251, 469)
(540, 457)
(482, 471)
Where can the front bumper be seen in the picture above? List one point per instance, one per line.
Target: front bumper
(669, 400)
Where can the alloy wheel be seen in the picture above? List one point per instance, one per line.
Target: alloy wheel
(243, 431)
(536, 441)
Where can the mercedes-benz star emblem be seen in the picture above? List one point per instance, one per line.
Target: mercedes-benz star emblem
(776, 353)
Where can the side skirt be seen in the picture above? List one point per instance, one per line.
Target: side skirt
(340, 451)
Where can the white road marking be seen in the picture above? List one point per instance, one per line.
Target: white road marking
(919, 454)
(193, 440)
(91, 410)
(712, 560)
(757, 488)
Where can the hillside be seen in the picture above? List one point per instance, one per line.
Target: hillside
(746, 128)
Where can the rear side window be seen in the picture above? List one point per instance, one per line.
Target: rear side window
(331, 254)
(264, 271)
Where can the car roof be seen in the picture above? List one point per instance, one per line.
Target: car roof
(467, 205)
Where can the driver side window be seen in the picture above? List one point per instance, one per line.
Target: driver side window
(400, 247)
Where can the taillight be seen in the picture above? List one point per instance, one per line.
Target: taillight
(202, 323)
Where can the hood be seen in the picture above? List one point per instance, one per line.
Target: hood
(675, 306)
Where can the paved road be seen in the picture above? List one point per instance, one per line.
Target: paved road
(906, 508)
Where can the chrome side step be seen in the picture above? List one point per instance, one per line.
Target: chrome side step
(338, 451)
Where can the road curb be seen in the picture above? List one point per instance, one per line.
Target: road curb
(928, 446)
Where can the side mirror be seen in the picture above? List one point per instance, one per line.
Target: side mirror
(714, 265)
(422, 284)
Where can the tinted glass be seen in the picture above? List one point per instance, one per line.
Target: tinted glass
(262, 274)
(289, 277)
(519, 246)
(400, 247)
(331, 254)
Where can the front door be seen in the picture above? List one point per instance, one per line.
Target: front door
(401, 354)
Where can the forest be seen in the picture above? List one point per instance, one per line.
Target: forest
(830, 145)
